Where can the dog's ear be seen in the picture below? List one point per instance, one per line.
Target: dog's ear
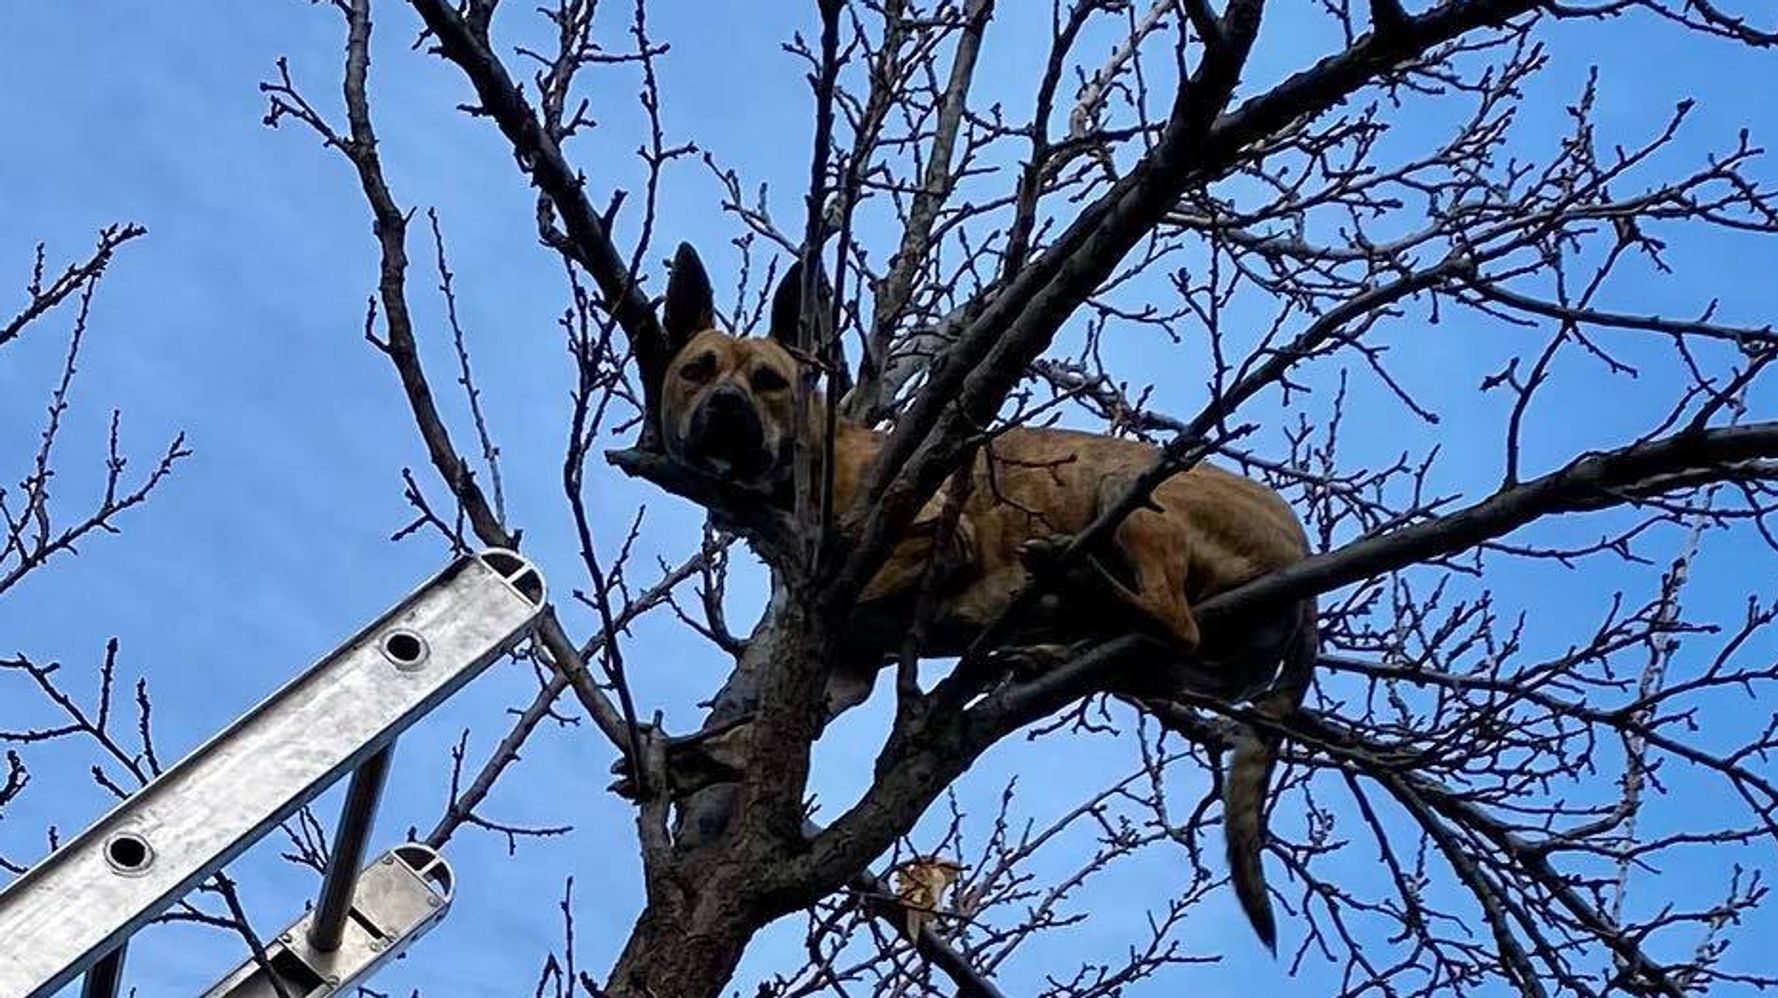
(691, 305)
(787, 303)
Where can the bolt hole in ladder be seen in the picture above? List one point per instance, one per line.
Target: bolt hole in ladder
(73, 913)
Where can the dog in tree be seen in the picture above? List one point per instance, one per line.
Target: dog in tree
(728, 408)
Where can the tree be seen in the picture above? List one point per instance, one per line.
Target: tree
(39, 525)
(1181, 216)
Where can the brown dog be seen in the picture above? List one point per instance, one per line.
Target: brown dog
(727, 407)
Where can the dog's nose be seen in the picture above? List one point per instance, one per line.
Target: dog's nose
(727, 400)
(726, 431)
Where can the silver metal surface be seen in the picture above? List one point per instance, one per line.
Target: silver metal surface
(87, 898)
(400, 896)
(357, 816)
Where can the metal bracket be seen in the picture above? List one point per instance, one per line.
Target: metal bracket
(399, 897)
(75, 910)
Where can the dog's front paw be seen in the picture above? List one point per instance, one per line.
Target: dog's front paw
(625, 785)
(1039, 555)
(691, 762)
(1025, 661)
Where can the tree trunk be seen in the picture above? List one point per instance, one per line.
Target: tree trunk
(706, 903)
(671, 955)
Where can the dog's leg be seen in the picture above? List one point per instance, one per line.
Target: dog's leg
(1152, 554)
(1031, 660)
(848, 685)
(1160, 593)
(1157, 549)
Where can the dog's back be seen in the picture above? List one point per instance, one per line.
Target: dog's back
(1033, 481)
(1203, 531)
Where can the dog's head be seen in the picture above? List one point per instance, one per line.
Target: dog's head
(728, 403)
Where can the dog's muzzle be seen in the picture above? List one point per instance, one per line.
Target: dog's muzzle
(726, 435)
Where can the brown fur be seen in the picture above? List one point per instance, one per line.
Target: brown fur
(1208, 530)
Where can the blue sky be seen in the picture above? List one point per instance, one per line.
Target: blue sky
(237, 320)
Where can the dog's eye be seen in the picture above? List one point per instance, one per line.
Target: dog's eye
(699, 368)
(767, 380)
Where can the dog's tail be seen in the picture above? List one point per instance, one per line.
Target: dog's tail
(1250, 774)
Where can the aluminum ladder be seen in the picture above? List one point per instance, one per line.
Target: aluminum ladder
(74, 912)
